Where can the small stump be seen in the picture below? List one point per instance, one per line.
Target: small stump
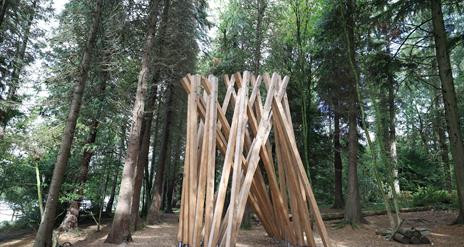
(412, 236)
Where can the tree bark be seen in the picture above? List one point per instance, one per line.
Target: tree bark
(109, 205)
(171, 185)
(121, 228)
(444, 154)
(150, 170)
(142, 161)
(154, 213)
(175, 169)
(449, 99)
(146, 125)
(44, 234)
(70, 221)
(392, 133)
(353, 202)
(439, 127)
(338, 166)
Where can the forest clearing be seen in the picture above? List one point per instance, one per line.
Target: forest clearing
(442, 234)
(231, 123)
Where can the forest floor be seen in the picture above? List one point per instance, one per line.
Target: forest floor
(164, 234)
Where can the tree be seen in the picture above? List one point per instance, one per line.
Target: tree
(20, 54)
(154, 214)
(440, 131)
(71, 219)
(121, 228)
(178, 58)
(142, 162)
(338, 166)
(19, 46)
(353, 201)
(44, 234)
(449, 99)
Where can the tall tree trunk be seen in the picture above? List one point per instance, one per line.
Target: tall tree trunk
(166, 181)
(353, 204)
(150, 169)
(391, 141)
(121, 228)
(18, 62)
(449, 99)
(422, 134)
(44, 234)
(154, 213)
(146, 125)
(304, 79)
(439, 127)
(175, 169)
(338, 166)
(109, 204)
(139, 170)
(70, 221)
(142, 161)
(441, 132)
(353, 201)
(171, 185)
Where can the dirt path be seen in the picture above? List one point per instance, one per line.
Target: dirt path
(442, 234)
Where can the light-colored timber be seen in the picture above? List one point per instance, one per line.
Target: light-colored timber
(212, 207)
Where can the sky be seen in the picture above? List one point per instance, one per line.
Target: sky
(58, 5)
(37, 71)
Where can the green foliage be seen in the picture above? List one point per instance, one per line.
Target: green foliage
(416, 170)
(429, 196)
(299, 38)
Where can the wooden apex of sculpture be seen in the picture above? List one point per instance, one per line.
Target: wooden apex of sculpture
(210, 213)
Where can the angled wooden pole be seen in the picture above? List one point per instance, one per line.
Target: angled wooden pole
(274, 192)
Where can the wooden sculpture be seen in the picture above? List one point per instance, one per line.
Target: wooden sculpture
(273, 182)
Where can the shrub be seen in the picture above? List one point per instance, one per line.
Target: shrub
(426, 196)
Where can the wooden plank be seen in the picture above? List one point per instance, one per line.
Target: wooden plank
(206, 85)
(280, 209)
(255, 91)
(221, 193)
(209, 201)
(260, 187)
(203, 163)
(227, 97)
(290, 231)
(279, 112)
(243, 92)
(191, 104)
(247, 178)
(183, 220)
(259, 184)
(185, 85)
(298, 238)
(269, 206)
(302, 200)
(253, 156)
(193, 159)
(294, 180)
